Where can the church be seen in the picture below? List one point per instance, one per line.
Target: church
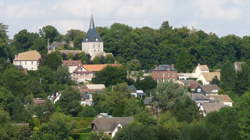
(92, 44)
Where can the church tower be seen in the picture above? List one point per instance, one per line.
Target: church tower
(92, 44)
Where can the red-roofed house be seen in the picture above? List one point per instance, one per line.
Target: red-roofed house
(85, 73)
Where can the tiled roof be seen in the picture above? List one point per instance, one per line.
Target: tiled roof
(28, 56)
(105, 124)
(71, 62)
(70, 51)
(224, 98)
(212, 107)
(164, 67)
(95, 86)
(203, 67)
(209, 76)
(210, 88)
(98, 67)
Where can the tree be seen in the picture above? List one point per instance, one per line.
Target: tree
(52, 60)
(69, 103)
(87, 111)
(7, 131)
(134, 65)
(228, 77)
(18, 112)
(3, 41)
(242, 80)
(16, 82)
(58, 128)
(50, 32)
(110, 76)
(217, 124)
(146, 84)
(184, 61)
(85, 58)
(109, 59)
(6, 98)
(136, 131)
(98, 60)
(76, 36)
(243, 108)
(24, 40)
(167, 94)
(195, 131)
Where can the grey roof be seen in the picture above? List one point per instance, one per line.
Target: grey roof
(165, 67)
(147, 101)
(105, 124)
(209, 88)
(92, 35)
(132, 88)
(199, 97)
(212, 107)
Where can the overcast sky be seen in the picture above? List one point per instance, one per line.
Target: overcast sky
(220, 16)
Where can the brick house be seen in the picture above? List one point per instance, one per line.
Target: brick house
(164, 73)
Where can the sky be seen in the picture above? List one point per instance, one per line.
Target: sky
(222, 17)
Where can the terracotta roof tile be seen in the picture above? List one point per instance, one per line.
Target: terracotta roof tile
(29, 55)
(72, 62)
(210, 75)
(98, 67)
(203, 67)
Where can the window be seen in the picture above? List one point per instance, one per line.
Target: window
(198, 90)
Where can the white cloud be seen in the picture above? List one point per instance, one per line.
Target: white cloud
(210, 15)
(23, 10)
(219, 9)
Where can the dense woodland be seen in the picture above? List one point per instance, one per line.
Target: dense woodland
(138, 49)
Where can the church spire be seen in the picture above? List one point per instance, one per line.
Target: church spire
(92, 23)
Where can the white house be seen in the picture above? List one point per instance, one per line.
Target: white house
(72, 65)
(28, 60)
(206, 78)
(200, 69)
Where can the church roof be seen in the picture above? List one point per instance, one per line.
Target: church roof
(92, 35)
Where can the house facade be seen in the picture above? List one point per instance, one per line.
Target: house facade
(164, 73)
(29, 60)
(72, 65)
(85, 73)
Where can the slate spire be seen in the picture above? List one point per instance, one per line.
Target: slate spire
(92, 23)
(92, 35)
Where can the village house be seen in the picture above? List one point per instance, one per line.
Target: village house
(206, 108)
(207, 78)
(225, 99)
(86, 99)
(72, 65)
(200, 73)
(206, 90)
(110, 125)
(28, 60)
(136, 93)
(164, 73)
(86, 92)
(86, 73)
(39, 101)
